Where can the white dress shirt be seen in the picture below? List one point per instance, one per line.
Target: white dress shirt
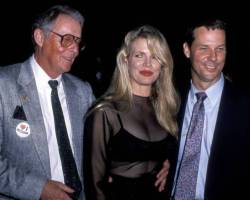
(211, 104)
(44, 93)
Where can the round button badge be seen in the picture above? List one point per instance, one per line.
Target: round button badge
(23, 129)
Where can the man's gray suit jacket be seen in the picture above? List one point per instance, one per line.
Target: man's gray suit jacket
(24, 154)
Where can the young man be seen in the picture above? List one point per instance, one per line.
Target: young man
(223, 155)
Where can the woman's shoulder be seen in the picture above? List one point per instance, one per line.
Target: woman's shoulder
(105, 106)
(105, 113)
(103, 109)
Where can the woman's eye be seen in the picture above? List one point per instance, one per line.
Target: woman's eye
(138, 55)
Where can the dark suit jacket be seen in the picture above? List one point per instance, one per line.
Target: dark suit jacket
(228, 171)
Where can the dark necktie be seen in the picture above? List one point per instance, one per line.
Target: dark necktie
(71, 177)
(187, 178)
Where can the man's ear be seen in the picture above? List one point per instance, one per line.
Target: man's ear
(186, 50)
(38, 36)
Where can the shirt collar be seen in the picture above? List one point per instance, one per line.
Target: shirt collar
(213, 92)
(40, 74)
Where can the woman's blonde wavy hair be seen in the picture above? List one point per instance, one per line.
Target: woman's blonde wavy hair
(163, 95)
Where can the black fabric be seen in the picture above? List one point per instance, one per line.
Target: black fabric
(229, 161)
(125, 147)
(125, 143)
(19, 113)
(123, 188)
(71, 177)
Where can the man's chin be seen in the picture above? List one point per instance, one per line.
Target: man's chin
(67, 67)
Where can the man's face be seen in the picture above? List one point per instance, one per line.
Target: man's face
(207, 55)
(53, 57)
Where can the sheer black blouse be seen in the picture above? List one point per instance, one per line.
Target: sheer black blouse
(128, 144)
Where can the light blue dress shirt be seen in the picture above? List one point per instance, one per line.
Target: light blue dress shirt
(211, 104)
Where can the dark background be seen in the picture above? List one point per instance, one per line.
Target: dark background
(107, 23)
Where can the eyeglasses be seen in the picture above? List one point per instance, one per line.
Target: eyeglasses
(68, 39)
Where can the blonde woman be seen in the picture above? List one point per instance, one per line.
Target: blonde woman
(132, 129)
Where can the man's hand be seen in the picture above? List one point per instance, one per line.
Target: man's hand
(56, 190)
(162, 176)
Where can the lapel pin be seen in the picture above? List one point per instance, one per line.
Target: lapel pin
(24, 98)
(23, 129)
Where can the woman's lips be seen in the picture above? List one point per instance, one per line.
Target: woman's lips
(146, 73)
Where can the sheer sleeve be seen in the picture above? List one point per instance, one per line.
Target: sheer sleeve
(96, 137)
(127, 143)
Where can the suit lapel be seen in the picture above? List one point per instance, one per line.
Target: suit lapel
(74, 104)
(181, 114)
(31, 104)
(223, 126)
(224, 114)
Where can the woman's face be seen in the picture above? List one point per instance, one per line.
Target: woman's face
(144, 67)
